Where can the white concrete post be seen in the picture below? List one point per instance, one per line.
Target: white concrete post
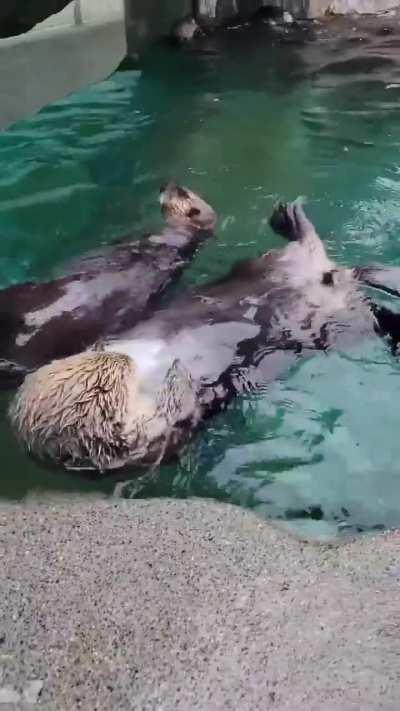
(95, 11)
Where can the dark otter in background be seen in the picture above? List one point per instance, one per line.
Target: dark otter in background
(190, 359)
(103, 293)
(185, 30)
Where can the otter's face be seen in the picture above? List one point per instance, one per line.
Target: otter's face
(187, 30)
(182, 208)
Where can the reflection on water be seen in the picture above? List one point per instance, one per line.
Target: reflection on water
(245, 119)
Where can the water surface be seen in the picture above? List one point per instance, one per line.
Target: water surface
(245, 118)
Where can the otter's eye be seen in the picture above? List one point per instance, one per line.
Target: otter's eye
(163, 189)
(182, 193)
(193, 212)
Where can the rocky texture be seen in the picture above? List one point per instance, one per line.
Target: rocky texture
(192, 605)
(220, 11)
(317, 8)
(150, 17)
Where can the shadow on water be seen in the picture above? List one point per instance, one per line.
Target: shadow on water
(244, 117)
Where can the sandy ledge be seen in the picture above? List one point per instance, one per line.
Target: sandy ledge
(192, 605)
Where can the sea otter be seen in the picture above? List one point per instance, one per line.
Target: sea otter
(102, 293)
(140, 398)
(185, 30)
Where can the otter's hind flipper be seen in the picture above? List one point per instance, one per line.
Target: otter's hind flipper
(388, 325)
(385, 279)
(290, 221)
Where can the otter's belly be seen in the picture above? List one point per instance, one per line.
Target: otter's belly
(206, 351)
(151, 357)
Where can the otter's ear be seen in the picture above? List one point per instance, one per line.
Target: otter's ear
(193, 212)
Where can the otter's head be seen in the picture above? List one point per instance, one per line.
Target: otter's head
(186, 30)
(183, 209)
(89, 412)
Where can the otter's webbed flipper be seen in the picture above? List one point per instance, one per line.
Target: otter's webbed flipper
(388, 324)
(290, 221)
(385, 279)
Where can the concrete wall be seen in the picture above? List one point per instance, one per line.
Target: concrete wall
(64, 18)
(82, 43)
(85, 12)
(79, 45)
(148, 19)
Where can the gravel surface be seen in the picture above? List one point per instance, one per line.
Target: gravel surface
(191, 605)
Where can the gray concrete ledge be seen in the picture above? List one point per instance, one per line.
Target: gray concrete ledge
(80, 45)
(42, 67)
(192, 605)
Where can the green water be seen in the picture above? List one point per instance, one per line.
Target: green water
(244, 122)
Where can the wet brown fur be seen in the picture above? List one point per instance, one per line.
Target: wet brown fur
(86, 412)
(76, 409)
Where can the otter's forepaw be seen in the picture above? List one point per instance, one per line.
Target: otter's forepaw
(283, 221)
